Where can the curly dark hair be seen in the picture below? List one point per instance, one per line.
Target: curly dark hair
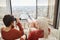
(8, 19)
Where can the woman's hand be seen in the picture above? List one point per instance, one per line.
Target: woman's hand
(17, 20)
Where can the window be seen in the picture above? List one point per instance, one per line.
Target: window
(46, 9)
(33, 8)
(4, 9)
(28, 8)
(42, 8)
(22, 8)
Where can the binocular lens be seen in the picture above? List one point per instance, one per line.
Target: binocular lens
(15, 19)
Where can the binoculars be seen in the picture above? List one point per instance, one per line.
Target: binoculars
(15, 19)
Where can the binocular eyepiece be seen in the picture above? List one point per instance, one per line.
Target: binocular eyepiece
(15, 19)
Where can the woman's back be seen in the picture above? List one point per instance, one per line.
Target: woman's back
(12, 34)
(35, 35)
(8, 32)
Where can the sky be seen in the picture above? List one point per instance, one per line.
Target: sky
(42, 2)
(29, 2)
(2, 3)
(25, 2)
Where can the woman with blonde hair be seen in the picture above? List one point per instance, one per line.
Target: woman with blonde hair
(42, 31)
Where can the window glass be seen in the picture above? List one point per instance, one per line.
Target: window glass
(27, 8)
(22, 8)
(4, 9)
(46, 9)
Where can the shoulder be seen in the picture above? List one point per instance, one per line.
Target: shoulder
(14, 30)
(40, 31)
(2, 28)
(37, 31)
(32, 33)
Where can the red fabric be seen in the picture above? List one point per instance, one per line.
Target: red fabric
(35, 35)
(13, 33)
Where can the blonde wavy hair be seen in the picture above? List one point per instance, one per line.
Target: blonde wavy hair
(42, 23)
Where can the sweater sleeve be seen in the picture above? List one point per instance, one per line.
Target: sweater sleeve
(20, 28)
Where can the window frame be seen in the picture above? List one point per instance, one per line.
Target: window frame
(55, 21)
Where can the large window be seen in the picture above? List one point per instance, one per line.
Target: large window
(33, 8)
(28, 8)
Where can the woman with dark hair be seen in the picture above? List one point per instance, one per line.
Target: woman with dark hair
(8, 32)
